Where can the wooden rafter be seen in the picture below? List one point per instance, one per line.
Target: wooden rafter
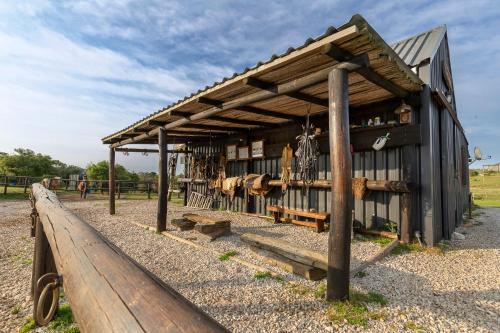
(271, 87)
(337, 53)
(214, 127)
(269, 113)
(236, 121)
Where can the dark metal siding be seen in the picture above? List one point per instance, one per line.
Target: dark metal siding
(375, 210)
(444, 194)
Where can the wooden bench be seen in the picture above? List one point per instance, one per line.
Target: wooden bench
(319, 217)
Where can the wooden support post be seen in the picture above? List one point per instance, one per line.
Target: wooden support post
(111, 183)
(149, 190)
(6, 183)
(339, 242)
(161, 217)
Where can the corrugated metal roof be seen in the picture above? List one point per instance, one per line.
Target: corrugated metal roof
(357, 20)
(422, 46)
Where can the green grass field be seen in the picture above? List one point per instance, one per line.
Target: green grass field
(486, 189)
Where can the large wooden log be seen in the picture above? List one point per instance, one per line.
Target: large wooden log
(339, 242)
(107, 290)
(288, 250)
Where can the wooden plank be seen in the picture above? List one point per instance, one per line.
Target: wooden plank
(399, 136)
(339, 242)
(202, 219)
(288, 250)
(109, 291)
(284, 210)
(294, 267)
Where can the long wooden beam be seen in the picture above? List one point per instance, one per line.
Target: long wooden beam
(141, 150)
(226, 119)
(269, 113)
(339, 240)
(271, 87)
(108, 291)
(337, 53)
(282, 89)
(215, 127)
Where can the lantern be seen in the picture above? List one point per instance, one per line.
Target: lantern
(404, 111)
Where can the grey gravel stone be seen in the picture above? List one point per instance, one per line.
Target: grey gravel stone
(455, 292)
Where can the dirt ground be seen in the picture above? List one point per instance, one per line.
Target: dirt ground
(455, 290)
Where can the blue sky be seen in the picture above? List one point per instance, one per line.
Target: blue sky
(73, 72)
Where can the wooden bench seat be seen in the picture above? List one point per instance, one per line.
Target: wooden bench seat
(319, 217)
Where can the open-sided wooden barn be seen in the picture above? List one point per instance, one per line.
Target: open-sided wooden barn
(357, 89)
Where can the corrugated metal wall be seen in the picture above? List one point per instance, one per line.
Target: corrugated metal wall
(375, 210)
(445, 186)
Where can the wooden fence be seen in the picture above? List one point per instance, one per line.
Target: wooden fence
(107, 290)
(96, 186)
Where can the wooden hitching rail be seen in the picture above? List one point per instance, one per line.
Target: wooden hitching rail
(107, 290)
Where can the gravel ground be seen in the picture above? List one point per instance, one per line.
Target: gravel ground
(456, 292)
(16, 253)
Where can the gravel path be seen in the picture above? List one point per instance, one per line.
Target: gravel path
(458, 291)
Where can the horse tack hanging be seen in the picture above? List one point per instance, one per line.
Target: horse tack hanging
(307, 153)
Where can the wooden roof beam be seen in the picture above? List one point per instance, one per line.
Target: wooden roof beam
(127, 135)
(209, 101)
(335, 52)
(157, 123)
(271, 87)
(225, 119)
(214, 127)
(274, 114)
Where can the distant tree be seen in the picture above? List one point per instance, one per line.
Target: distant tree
(100, 171)
(25, 162)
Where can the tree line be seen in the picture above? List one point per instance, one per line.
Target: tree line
(25, 162)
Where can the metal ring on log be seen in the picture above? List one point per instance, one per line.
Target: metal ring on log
(51, 287)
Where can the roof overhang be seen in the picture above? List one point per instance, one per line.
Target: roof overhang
(283, 89)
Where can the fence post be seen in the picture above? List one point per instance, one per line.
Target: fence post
(118, 189)
(25, 184)
(149, 190)
(6, 184)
